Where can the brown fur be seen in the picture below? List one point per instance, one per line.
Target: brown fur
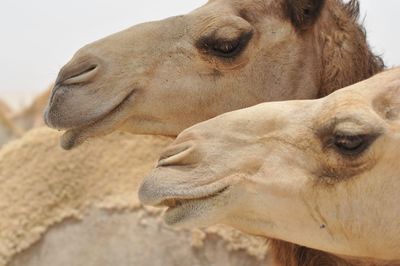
(303, 13)
(347, 57)
(288, 254)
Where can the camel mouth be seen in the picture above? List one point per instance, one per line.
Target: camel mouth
(172, 203)
(74, 137)
(181, 209)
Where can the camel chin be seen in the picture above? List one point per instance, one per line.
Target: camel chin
(104, 125)
(196, 213)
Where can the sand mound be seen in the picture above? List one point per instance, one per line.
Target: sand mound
(88, 198)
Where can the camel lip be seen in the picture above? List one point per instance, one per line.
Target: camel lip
(155, 192)
(179, 211)
(176, 202)
(73, 136)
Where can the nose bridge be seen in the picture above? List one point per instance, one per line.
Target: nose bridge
(146, 39)
(132, 49)
(137, 50)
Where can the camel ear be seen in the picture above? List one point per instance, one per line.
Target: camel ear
(304, 13)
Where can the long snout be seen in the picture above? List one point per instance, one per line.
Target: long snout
(112, 77)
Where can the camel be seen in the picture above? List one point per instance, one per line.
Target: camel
(228, 54)
(261, 62)
(319, 176)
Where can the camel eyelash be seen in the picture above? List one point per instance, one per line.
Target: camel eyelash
(351, 144)
(224, 48)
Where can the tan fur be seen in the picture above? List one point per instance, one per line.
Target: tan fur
(264, 170)
(103, 89)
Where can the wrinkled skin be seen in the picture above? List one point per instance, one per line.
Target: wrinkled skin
(318, 173)
(162, 77)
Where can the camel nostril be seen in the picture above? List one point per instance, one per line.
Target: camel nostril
(77, 74)
(175, 155)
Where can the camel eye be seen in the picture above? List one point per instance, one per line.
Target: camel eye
(225, 48)
(351, 144)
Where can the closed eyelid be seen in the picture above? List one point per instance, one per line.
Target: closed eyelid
(348, 126)
(212, 38)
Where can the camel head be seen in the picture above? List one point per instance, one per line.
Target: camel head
(162, 77)
(318, 173)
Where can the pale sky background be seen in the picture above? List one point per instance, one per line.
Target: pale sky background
(38, 37)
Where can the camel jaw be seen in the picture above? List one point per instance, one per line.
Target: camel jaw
(104, 125)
